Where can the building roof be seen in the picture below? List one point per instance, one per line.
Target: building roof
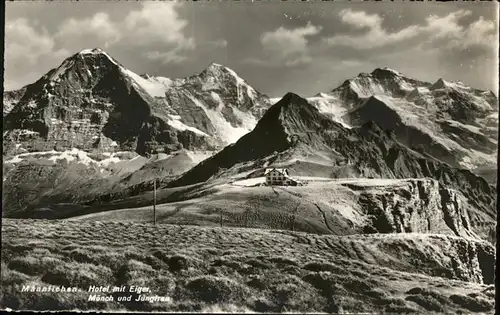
(283, 171)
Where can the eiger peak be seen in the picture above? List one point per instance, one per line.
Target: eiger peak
(96, 50)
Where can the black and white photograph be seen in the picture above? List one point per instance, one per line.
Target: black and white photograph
(335, 157)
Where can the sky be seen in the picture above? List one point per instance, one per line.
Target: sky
(277, 47)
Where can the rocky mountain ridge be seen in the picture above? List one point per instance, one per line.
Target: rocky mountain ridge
(92, 102)
(455, 123)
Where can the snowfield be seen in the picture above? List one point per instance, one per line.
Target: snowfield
(155, 89)
(224, 129)
(331, 106)
(73, 155)
(176, 123)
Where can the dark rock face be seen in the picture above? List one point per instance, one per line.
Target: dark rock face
(417, 205)
(85, 103)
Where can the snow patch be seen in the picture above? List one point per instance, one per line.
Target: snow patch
(155, 89)
(331, 106)
(210, 84)
(249, 182)
(23, 132)
(457, 124)
(32, 104)
(73, 155)
(54, 121)
(239, 81)
(224, 130)
(177, 124)
(199, 156)
(93, 51)
(98, 51)
(420, 119)
(217, 98)
(274, 100)
(67, 64)
(14, 160)
(248, 121)
(366, 90)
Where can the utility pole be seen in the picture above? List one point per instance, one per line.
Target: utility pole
(154, 201)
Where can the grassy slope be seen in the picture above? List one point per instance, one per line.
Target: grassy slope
(317, 208)
(324, 207)
(234, 269)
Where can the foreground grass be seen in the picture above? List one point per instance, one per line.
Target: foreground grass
(223, 269)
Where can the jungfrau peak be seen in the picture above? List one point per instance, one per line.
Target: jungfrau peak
(458, 124)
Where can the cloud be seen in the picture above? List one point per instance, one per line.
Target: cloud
(218, 42)
(155, 30)
(172, 56)
(25, 48)
(360, 19)
(99, 27)
(375, 36)
(436, 31)
(25, 44)
(158, 26)
(288, 46)
(480, 33)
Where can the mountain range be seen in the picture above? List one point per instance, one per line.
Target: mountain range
(92, 131)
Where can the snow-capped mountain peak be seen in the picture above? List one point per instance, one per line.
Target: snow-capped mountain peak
(91, 51)
(443, 84)
(222, 72)
(87, 60)
(96, 52)
(386, 70)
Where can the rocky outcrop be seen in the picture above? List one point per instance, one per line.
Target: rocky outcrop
(444, 256)
(10, 98)
(415, 205)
